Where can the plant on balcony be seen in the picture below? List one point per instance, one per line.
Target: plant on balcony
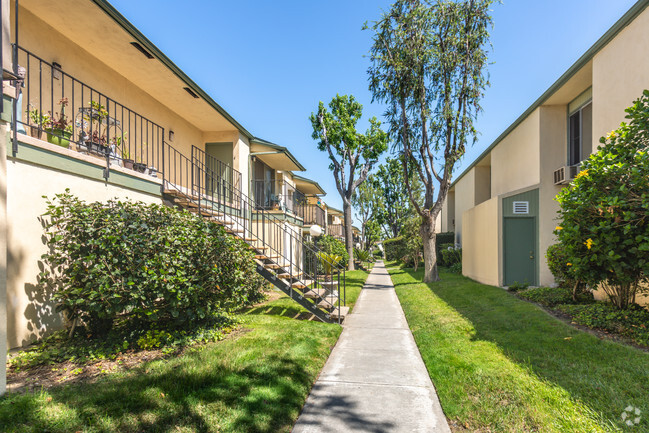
(95, 141)
(38, 119)
(126, 155)
(58, 126)
(139, 165)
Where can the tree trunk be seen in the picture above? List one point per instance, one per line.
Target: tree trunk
(349, 237)
(427, 232)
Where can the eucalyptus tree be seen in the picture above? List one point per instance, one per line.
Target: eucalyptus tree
(428, 61)
(394, 207)
(351, 154)
(366, 201)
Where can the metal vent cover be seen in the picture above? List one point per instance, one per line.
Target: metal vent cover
(521, 207)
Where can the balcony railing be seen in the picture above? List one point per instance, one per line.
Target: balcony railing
(220, 177)
(62, 109)
(336, 230)
(313, 214)
(288, 199)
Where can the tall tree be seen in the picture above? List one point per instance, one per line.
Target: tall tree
(351, 153)
(366, 205)
(394, 208)
(428, 61)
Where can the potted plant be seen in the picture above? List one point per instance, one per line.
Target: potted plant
(95, 140)
(118, 142)
(58, 127)
(139, 165)
(37, 121)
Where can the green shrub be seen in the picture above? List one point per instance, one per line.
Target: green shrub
(552, 296)
(603, 226)
(517, 286)
(449, 257)
(455, 268)
(442, 239)
(632, 323)
(144, 265)
(395, 248)
(331, 245)
(558, 264)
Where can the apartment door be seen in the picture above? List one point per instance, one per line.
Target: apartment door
(218, 167)
(520, 250)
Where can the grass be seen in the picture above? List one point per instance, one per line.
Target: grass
(256, 381)
(504, 365)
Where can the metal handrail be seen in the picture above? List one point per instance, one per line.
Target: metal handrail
(267, 228)
(97, 123)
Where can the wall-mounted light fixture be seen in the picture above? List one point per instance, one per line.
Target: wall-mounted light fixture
(171, 135)
(56, 71)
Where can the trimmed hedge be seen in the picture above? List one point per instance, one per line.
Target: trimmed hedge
(331, 245)
(146, 266)
(395, 248)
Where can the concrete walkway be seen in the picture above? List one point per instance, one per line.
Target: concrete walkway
(374, 380)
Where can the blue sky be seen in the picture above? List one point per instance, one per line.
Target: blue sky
(268, 63)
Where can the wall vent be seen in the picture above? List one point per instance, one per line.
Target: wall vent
(191, 92)
(521, 207)
(141, 49)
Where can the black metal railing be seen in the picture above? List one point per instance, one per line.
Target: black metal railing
(220, 176)
(283, 196)
(242, 216)
(313, 214)
(64, 110)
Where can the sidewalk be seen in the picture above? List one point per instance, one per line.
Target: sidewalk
(374, 380)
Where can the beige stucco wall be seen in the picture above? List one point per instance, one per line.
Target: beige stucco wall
(464, 200)
(553, 121)
(29, 312)
(480, 242)
(620, 74)
(4, 137)
(515, 160)
(482, 183)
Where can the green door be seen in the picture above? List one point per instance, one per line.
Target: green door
(520, 251)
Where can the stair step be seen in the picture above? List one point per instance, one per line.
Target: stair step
(252, 247)
(250, 239)
(265, 257)
(223, 223)
(233, 230)
(316, 293)
(339, 313)
(172, 192)
(286, 275)
(328, 302)
(207, 213)
(301, 284)
(186, 203)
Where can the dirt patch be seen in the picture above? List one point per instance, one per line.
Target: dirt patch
(65, 373)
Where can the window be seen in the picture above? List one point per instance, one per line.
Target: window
(580, 134)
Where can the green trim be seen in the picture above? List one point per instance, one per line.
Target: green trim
(282, 149)
(580, 101)
(626, 19)
(155, 51)
(7, 108)
(312, 182)
(65, 164)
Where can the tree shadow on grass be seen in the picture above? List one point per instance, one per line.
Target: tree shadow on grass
(263, 396)
(605, 375)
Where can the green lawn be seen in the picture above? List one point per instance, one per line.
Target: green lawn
(254, 382)
(504, 365)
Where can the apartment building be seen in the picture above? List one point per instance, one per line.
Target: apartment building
(502, 207)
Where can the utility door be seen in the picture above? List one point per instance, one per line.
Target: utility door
(520, 250)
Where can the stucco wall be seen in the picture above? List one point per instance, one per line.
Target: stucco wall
(515, 160)
(464, 200)
(30, 314)
(620, 74)
(480, 240)
(553, 155)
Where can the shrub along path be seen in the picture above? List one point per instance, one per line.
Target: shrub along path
(501, 364)
(374, 380)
